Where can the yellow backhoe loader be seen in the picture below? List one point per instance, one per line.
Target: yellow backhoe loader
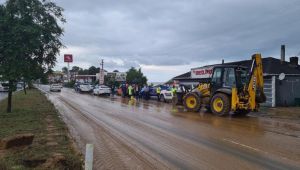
(232, 88)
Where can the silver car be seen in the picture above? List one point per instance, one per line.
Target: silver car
(55, 87)
(101, 90)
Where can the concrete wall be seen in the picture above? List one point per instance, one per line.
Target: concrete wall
(287, 90)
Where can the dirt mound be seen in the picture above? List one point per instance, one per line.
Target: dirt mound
(56, 160)
(16, 141)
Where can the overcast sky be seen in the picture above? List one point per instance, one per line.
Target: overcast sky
(168, 37)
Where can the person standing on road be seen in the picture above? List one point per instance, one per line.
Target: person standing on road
(158, 90)
(174, 93)
(137, 91)
(173, 90)
(112, 90)
(130, 91)
(123, 90)
(147, 92)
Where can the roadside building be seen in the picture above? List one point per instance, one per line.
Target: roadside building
(56, 77)
(116, 76)
(284, 92)
(85, 78)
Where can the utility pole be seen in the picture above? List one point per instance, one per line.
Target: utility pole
(101, 78)
(68, 72)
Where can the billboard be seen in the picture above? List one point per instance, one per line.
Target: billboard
(202, 72)
(68, 58)
(120, 77)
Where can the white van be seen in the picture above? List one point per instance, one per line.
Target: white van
(4, 87)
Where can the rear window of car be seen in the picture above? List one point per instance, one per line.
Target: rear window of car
(5, 84)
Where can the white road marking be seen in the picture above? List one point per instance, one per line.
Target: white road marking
(243, 145)
(250, 147)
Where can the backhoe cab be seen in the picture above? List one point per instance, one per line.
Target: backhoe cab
(231, 88)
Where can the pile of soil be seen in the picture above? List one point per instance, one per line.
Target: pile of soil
(16, 141)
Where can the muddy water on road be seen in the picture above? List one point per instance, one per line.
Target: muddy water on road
(153, 135)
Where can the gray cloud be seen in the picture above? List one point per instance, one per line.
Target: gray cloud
(177, 32)
(180, 32)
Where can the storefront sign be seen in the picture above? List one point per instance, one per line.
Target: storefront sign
(203, 72)
(68, 58)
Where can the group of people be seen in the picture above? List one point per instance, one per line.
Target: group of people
(133, 90)
(136, 91)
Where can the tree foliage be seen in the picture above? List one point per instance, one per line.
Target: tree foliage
(90, 71)
(75, 69)
(64, 70)
(29, 39)
(93, 70)
(135, 76)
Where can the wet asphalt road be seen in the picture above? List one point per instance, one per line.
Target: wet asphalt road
(153, 135)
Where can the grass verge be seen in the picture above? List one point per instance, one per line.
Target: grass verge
(51, 147)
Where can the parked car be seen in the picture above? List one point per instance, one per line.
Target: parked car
(85, 87)
(165, 93)
(55, 87)
(143, 95)
(20, 85)
(4, 87)
(101, 90)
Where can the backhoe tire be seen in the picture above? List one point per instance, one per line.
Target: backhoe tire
(220, 104)
(192, 102)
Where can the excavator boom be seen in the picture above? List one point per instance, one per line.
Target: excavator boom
(256, 83)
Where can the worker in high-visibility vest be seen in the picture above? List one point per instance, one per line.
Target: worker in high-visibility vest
(158, 90)
(130, 91)
(174, 92)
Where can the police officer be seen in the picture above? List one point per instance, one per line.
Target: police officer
(174, 99)
(158, 89)
(130, 91)
(173, 90)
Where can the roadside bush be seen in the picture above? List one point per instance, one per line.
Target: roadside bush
(69, 84)
(3, 165)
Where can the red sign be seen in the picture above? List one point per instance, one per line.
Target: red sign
(202, 72)
(68, 58)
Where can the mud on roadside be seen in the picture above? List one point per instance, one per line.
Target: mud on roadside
(285, 120)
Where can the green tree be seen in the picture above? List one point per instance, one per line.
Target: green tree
(75, 69)
(135, 76)
(93, 70)
(65, 70)
(83, 71)
(32, 72)
(29, 33)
